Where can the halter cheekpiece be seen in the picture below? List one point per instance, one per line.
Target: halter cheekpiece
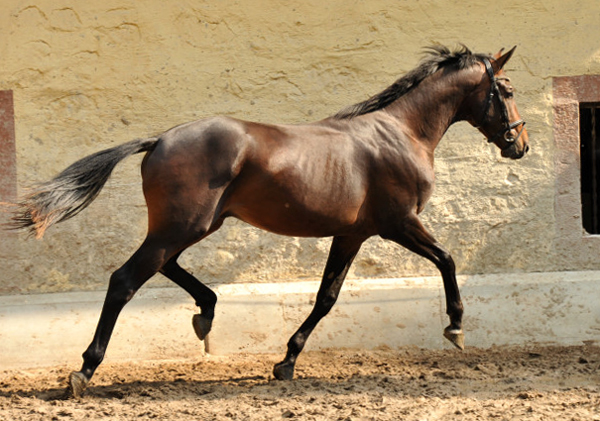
(495, 92)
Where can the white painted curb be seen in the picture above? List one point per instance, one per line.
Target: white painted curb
(55, 329)
(500, 309)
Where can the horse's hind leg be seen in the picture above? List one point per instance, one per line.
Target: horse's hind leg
(205, 298)
(342, 253)
(124, 283)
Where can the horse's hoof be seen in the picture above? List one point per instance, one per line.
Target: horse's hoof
(283, 371)
(456, 336)
(77, 384)
(202, 326)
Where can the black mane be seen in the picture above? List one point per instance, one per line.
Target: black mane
(437, 57)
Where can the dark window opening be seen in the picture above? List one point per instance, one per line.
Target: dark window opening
(589, 130)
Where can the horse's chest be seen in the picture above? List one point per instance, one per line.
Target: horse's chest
(409, 183)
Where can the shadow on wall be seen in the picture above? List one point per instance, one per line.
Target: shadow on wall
(493, 214)
(487, 227)
(240, 253)
(499, 223)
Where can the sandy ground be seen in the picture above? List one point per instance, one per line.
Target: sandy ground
(523, 383)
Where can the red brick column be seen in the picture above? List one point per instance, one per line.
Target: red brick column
(578, 248)
(8, 165)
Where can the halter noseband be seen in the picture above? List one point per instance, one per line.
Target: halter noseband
(495, 91)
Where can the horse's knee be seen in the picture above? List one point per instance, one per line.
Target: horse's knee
(444, 260)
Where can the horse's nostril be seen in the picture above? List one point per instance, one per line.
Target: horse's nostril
(526, 148)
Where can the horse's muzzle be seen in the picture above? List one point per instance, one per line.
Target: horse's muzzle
(515, 151)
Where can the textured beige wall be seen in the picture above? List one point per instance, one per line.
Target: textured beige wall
(90, 75)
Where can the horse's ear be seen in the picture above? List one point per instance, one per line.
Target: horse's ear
(498, 54)
(500, 59)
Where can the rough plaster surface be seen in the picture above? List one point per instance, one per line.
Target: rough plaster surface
(90, 75)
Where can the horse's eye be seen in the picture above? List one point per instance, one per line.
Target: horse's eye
(509, 91)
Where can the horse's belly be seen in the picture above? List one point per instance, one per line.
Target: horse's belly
(298, 195)
(322, 218)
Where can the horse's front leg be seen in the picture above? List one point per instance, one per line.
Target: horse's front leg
(342, 253)
(411, 234)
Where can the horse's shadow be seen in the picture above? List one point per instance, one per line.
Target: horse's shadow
(151, 389)
(259, 386)
(447, 375)
(269, 388)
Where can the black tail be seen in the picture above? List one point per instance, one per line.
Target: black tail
(74, 189)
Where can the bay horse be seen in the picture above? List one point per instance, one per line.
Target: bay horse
(365, 171)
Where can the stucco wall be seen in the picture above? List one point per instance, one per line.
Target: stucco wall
(90, 75)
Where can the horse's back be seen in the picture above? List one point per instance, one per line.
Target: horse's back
(302, 180)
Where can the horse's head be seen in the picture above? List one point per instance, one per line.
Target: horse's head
(494, 111)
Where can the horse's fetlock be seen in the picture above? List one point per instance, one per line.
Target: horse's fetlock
(93, 356)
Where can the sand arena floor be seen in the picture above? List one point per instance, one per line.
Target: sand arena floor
(505, 383)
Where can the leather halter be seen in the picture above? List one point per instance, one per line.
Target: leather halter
(495, 92)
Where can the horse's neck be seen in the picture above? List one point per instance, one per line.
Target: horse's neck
(431, 108)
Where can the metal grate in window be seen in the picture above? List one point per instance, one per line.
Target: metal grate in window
(589, 130)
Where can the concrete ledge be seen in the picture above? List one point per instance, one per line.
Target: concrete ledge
(557, 308)
(55, 329)
(500, 309)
